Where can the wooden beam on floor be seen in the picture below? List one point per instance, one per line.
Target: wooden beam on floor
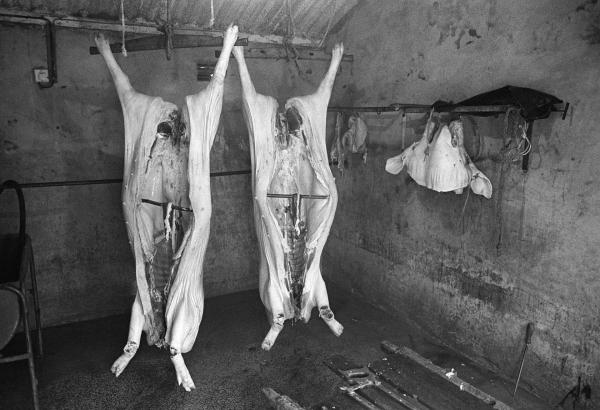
(452, 377)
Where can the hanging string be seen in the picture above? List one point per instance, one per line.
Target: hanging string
(403, 128)
(123, 49)
(287, 41)
(504, 168)
(168, 28)
(328, 25)
(211, 23)
(462, 214)
(290, 32)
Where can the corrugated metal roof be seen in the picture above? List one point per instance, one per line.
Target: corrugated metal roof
(310, 19)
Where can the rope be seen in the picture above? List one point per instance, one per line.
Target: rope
(515, 146)
(169, 32)
(211, 23)
(502, 178)
(291, 30)
(462, 214)
(403, 129)
(287, 41)
(328, 25)
(123, 49)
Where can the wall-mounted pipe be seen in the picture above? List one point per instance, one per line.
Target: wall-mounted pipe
(50, 54)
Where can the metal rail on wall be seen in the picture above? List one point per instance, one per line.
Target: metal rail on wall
(459, 109)
(114, 180)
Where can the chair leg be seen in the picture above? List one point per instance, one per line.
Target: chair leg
(30, 353)
(36, 303)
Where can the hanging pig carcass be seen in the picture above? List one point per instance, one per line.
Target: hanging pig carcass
(295, 198)
(166, 177)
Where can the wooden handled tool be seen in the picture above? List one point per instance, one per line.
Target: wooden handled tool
(528, 334)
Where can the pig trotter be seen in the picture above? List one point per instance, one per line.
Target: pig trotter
(121, 363)
(276, 327)
(326, 314)
(183, 375)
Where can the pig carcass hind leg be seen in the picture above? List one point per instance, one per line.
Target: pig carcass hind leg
(275, 316)
(136, 325)
(184, 379)
(186, 300)
(325, 312)
(276, 326)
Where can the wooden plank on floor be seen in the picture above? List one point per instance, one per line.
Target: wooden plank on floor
(404, 356)
(430, 389)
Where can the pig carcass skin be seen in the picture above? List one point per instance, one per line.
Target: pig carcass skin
(295, 198)
(167, 161)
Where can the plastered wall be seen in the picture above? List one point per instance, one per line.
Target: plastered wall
(407, 248)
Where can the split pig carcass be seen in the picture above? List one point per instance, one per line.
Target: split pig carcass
(441, 163)
(166, 178)
(295, 198)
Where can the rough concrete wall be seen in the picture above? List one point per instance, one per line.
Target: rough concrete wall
(405, 247)
(74, 131)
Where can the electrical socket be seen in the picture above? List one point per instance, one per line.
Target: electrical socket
(41, 75)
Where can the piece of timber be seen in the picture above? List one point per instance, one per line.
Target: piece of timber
(430, 389)
(360, 379)
(280, 53)
(404, 351)
(280, 401)
(26, 17)
(179, 41)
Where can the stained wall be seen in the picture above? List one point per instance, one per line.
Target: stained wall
(410, 250)
(74, 131)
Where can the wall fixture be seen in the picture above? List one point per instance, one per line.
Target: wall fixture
(45, 77)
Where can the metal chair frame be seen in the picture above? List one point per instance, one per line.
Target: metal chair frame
(26, 264)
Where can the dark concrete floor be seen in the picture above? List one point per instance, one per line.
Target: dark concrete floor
(227, 364)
